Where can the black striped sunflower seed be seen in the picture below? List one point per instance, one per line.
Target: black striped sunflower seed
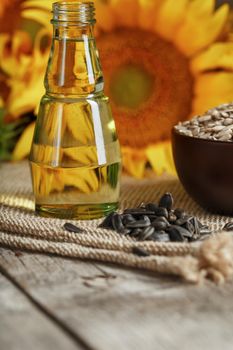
(135, 232)
(159, 224)
(190, 227)
(204, 231)
(203, 237)
(183, 231)
(172, 217)
(161, 212)
(127, 218)
(160, 237)
(166, 201)
(118, 224)
(228, 226)
(161, 218)
(107, 223)
(196, 225)
(140, 252)
(175, 234)
(151, 206)
(138, 224)
(138, 212)
(182, 221)
(146, 233)
(73, 228)
(202, 226)
(179, 213)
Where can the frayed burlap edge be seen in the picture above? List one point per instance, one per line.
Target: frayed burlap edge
(212, 259)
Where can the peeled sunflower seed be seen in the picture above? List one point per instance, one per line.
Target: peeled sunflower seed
(142, 205)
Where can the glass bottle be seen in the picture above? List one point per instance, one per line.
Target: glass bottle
(75, 155)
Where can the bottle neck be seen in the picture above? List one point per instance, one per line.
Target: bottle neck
(73, 67)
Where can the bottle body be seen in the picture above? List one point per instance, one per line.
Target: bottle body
(75, 155)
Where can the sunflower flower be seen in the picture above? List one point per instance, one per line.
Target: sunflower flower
(25, 84)
(163, 62)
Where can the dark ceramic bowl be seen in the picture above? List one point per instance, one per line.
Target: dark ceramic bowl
(205, 168)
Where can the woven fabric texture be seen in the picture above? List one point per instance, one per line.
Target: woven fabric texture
(20, 228)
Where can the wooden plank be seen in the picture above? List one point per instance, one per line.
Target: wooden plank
(116, 308)
(24, 327)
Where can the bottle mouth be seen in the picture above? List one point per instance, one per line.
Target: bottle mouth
(73, 12)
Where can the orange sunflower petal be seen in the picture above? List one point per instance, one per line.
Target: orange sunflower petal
(1, 102)
(160, 158)
(23, 146)
(126, 12)
(212, 89)
(172, 15)
(38, 15)
(147, 13)
(9, 58)
(218, 56)
(201, 8)
(134, 161)
(200, 27)
(104, 15)
(38, 11)
(47, 5)
(27, 83)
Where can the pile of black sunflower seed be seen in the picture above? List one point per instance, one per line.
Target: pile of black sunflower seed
(157, 222)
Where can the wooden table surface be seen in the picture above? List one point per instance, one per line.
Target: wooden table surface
(47, 302)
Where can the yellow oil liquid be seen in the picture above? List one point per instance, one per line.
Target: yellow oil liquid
(75, 159)
(82, 193)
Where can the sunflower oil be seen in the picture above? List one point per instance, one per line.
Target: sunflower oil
(75, 155)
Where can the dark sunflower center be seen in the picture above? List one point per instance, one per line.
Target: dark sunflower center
(149, 83)
(131, 85)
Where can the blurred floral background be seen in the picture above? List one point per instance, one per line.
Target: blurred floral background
(163, 61)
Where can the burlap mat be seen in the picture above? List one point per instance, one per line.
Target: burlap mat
(20, 228)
